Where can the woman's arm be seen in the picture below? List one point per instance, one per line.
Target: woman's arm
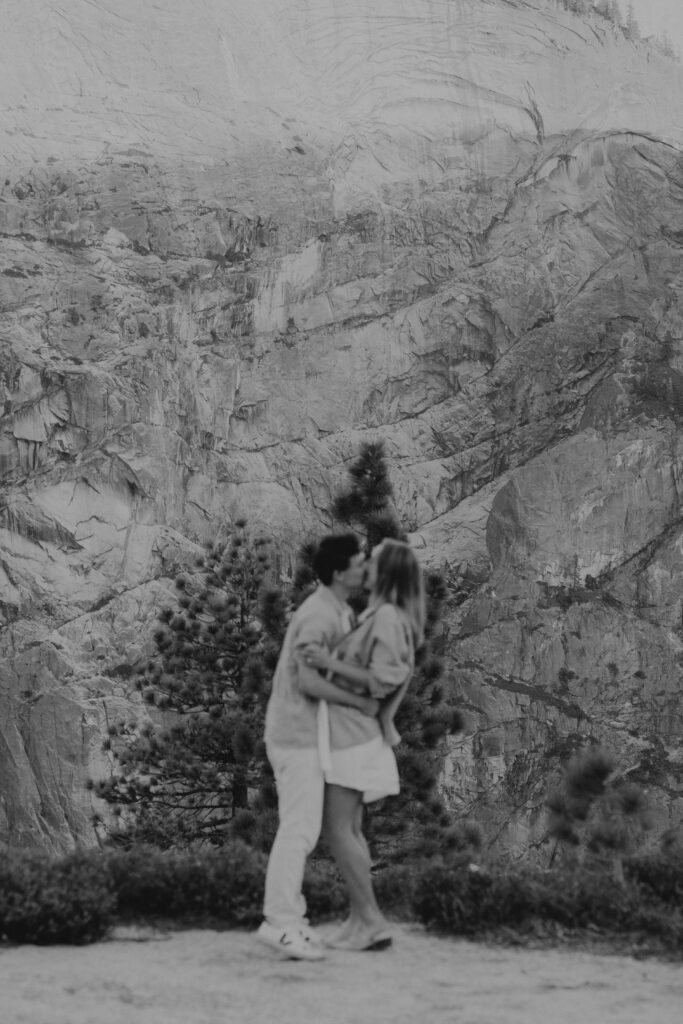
(313, 685)
(318, 657)
(387, 711)
(390, 657)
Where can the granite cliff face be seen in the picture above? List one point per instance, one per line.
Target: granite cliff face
(235, 240)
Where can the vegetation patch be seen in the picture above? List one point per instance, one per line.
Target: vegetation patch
(76, 899)
(46, 901)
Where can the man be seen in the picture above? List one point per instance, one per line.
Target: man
(292, 742)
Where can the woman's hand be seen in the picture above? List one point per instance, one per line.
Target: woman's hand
(317, 657)
(369, 706)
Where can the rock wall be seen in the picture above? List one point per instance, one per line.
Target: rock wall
(237, 239)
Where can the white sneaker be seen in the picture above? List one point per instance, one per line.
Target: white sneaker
(289, 942)
(311, 935)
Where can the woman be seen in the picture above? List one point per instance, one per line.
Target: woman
(377, 658)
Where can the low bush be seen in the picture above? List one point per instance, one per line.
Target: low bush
(76, 899)
(324, 891)
(44, 901)
(394, 887)
(660, 875)
(463, 901)
(223, 884)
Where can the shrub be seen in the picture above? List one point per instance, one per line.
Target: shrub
(466, 902)
(70, 900)
(324, 891)
(444, 898)
(660, 875)
(76, 898)
(223, 884)
(601, 901)
(145, 880)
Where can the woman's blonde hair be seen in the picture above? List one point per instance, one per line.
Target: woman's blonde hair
(399, 580)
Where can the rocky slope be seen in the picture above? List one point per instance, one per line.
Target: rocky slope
(237, 239)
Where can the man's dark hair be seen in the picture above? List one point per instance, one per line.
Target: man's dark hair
(334, 554)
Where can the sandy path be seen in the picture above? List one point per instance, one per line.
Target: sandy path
(206, 977)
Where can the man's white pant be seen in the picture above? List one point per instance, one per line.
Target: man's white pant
(300, 792)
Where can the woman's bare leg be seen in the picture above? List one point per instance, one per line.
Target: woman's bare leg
(359, 834)
(352, 924)
(343, 808)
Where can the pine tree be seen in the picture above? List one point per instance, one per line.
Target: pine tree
(416, 823)
(196, 770)
(368, 502)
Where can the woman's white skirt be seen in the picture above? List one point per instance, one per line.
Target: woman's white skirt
(370, 768)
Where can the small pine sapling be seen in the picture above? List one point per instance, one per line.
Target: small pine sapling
(597, 816)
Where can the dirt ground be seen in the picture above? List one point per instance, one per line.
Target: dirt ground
(208, 977)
